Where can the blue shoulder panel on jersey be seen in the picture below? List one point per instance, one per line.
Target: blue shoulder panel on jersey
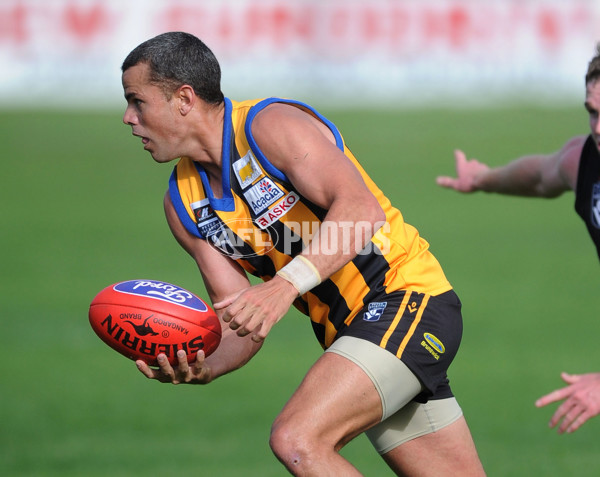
(270, 168)
(226, 203)
(175, 196)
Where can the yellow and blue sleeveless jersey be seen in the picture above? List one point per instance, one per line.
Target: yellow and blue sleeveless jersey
(260, 220)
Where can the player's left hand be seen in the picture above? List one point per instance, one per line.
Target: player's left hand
(256, 309)
(183, 373)
(582, 401)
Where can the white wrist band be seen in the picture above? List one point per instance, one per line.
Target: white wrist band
(301, 273)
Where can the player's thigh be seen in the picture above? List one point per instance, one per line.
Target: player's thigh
(335, 402)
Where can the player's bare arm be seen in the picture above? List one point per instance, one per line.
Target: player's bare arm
(321, 173)
(304, 149)
(535, 175)
(222, 277)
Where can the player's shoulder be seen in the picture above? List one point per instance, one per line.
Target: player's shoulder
(278, 113)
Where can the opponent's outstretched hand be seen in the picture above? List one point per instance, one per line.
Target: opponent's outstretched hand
(467, 172)
(582, 401)
(184, 373)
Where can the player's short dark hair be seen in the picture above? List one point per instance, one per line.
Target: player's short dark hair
(593, 72)
(178, 58)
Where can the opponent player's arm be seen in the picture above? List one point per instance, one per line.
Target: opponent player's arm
(581, 399)
(535, 175)
(222, 277)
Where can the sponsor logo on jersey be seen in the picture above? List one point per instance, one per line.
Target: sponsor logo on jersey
(375, 311)
(247, 170)
(432, 344)
(278, 210)
(596, 205)
(262, 194)
(206, 219)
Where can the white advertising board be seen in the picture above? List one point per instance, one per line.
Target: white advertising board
(67, 53)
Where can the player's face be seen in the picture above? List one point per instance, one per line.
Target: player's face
(151, 115)
(592, 104)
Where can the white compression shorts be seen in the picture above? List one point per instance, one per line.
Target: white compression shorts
(403, 419)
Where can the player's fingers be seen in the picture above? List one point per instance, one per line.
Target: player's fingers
(245, 329)
(227, 301)
(235, 314)
(145, 369)
(182, 363)
(167, 371)
(263, 331)
(198, 362)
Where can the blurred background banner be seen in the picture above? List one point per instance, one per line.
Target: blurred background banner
(67, 53)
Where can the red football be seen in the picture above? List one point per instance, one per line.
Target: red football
(142, 318)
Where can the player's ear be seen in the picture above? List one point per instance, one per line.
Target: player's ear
(186, 97)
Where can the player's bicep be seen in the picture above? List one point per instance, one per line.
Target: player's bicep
(304, 149)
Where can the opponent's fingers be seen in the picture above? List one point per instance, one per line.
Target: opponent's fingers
(445, 181)
(581, 419)
(569, 418)
(554, 396)
(567, 408)
(570, 378)
(460, 158)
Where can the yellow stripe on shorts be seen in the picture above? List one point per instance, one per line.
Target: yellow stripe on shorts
(413, 326)
(397, 318)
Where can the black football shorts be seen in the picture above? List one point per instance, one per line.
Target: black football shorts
(423, 331)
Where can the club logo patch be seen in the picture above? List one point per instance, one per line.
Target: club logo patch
(262, 194)
(247, 170)
(595, 211)
(375, 311)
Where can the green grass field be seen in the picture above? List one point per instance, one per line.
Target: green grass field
(82, 209)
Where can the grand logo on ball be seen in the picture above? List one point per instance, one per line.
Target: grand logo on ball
(142, 318)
